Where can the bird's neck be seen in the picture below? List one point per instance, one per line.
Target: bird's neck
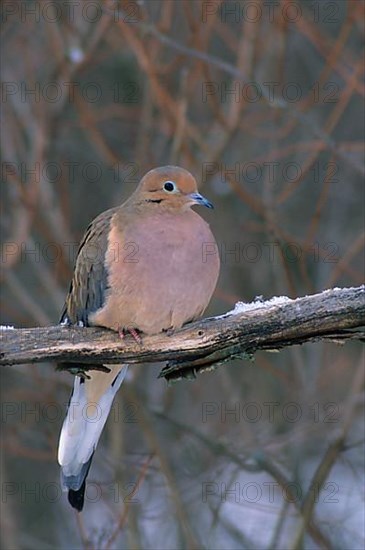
(148, 206)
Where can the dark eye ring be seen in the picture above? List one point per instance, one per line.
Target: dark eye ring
(169, 186)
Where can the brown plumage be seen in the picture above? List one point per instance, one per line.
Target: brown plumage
(142, 266)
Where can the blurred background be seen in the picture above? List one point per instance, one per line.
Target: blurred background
(263, 102)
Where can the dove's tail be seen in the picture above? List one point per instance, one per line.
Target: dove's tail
(87, 413)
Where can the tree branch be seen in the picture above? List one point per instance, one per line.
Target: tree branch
(336, 314)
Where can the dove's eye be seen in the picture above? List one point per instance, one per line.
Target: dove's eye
(169, 186)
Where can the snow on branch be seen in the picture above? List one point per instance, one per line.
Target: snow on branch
(336, 315)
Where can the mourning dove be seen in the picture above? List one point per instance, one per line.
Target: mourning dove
(148, 265)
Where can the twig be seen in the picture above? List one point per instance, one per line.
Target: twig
(329, 459)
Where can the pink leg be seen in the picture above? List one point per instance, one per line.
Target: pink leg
(132, 331)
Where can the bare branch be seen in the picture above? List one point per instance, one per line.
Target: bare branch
(336, 314)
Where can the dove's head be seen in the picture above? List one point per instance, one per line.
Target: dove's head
(169, 187)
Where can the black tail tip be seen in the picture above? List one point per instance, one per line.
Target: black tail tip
(76, 498)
